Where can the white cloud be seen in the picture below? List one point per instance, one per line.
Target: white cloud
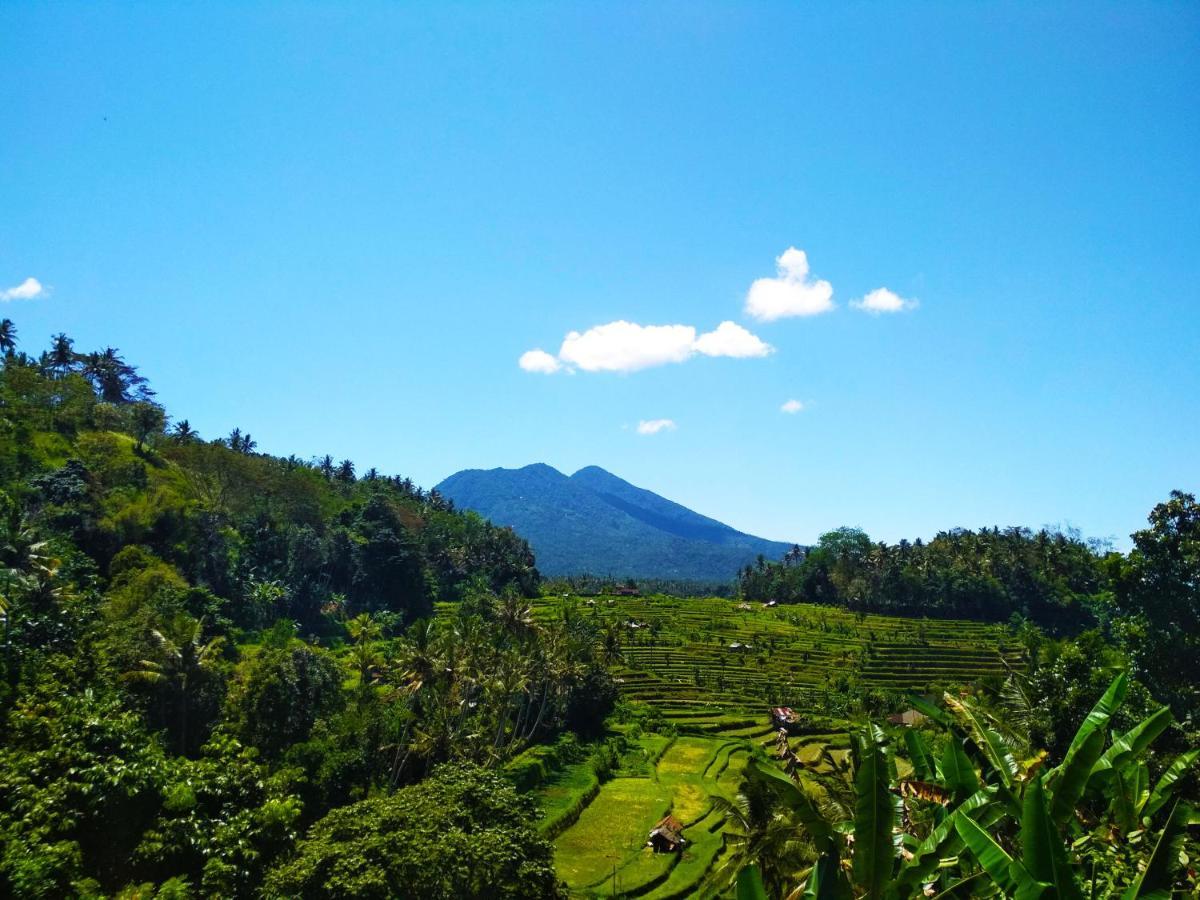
(792, 407)
(627, 347)
(881, 300)
(789, 293)
(28, 289)
(539, 361)
(731, 339)
(654, 426)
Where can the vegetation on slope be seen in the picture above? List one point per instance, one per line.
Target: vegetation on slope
(207, 650)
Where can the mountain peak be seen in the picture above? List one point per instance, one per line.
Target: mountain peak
(597, 523)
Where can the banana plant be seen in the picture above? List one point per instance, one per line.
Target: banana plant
(998, 827)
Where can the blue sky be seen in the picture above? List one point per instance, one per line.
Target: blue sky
(340, 230)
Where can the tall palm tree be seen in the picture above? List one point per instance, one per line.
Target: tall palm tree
(62, 354)
(365, 632)
(180, 663)
(8, 336)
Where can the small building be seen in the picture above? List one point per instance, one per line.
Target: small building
(910, 718)
(667, 836)
(783, 717)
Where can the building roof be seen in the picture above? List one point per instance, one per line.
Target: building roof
(908, 718)
(670, 829)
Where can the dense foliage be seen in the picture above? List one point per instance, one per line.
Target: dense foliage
(208, 649)
(462, 834)
(987, 574)
(985, 816)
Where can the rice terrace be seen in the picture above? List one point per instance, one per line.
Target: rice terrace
(701, 676)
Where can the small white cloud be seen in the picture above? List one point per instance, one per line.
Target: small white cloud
(792, 407)
(654, 426)
(731, 339)
(627, 347)
(789, 293)
(881, 300)
(539, 361)
(29, 289)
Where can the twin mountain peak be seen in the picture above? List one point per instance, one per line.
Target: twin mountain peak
(596, 523)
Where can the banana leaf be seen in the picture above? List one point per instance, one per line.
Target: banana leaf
(990, 744)
(942, 841)
(1131, 744)
(1071, 777)
(874, 812)
(1073, 774)
(1156, 879)
(918, 753)
(957, 771)
(1042, 848)
(750, 885)
(1010, 875)
(1166, 783)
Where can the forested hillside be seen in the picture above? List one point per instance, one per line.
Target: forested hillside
(207, 649)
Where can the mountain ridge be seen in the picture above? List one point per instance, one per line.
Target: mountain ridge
(596, 522)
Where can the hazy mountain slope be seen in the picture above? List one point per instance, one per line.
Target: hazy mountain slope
(596, 522)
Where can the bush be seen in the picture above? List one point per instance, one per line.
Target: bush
(462, 833)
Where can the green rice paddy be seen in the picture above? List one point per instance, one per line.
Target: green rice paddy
(710, 669)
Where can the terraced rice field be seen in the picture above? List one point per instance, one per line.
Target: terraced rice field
(603, 854)
(715, 665)
(711, 668)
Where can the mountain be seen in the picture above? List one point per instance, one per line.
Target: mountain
(594, 522)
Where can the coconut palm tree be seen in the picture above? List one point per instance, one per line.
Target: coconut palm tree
(181, 660)
(62, 354)
(8, 337)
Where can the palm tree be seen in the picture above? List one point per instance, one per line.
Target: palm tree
(8, 337)
(345, 471)
(180, 663)
(365, 632)
(62, 354)
(184, 433)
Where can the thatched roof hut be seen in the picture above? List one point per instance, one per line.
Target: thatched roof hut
(667, 836)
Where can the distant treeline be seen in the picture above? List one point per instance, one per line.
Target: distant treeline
(1045, 576)
(592, 585)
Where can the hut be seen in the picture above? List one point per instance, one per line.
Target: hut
(907, 719)
(783, 717)
(667, 836)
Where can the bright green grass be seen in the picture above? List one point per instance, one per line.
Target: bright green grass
(610, 834)
(611, 831)
(563, 793)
